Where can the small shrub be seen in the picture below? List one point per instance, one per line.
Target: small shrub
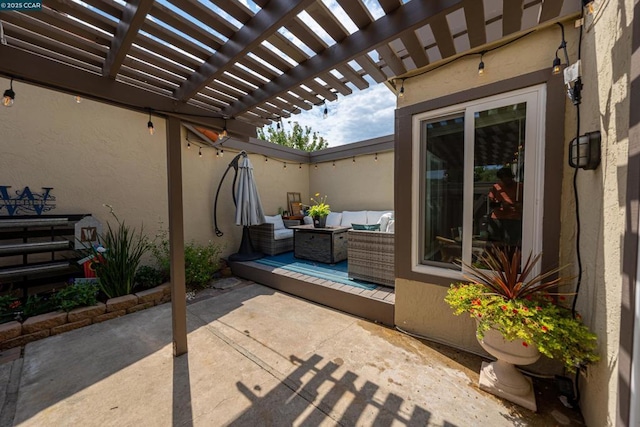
(117, 266)
(39, 304)
(201, 261)
(80, 294)
(148, 277)
(10, 307)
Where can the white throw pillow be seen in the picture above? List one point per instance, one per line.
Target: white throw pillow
(276, 220)
(333, 219)
(373, 217)
(357, 217)
(391, 227)
(307, 220)
(384, 221)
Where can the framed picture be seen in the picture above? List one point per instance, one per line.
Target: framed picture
(291, 199)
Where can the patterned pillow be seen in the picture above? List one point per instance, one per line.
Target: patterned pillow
(367, 227)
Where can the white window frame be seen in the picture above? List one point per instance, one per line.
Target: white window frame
(535, 97)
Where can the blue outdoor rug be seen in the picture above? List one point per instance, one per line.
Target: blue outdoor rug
(335, 273)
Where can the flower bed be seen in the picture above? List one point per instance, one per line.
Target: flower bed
(15, 334)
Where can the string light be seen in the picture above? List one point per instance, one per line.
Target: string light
(150, 126)
(401, 93)
(217, 153)
(300, 166)
(557, 65)
(224, 133)
(188, 145)
(481, 64)
(200, 152)
(285, 165)
(221, 152)
(316, 166)
(376, 159)
(325, 113)
(354, 159)
(9, 95)
(266, 159)
(78, 99)
(334, 164)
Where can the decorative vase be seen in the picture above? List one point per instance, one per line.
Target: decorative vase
(319, 221)
(501, 377)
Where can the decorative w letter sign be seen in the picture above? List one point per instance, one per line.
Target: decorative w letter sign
(25, 202)
(87, 231)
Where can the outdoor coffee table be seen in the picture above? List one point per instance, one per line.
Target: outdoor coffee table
(328, 245)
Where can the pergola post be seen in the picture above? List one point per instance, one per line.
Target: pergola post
(176, 237)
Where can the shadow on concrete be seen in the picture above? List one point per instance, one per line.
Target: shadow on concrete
(280, 406)
(58, 367)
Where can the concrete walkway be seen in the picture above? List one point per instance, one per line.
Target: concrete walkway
(256, 357)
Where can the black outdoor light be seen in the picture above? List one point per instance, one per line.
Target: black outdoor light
(584, 151)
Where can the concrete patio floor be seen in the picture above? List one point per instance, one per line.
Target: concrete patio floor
(257, 357)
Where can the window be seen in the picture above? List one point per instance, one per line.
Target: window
(478, 170)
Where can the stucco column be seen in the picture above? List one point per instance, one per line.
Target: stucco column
(176, 237)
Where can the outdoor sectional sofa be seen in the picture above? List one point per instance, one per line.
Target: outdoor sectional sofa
(370, 252)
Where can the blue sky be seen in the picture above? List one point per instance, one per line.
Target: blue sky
(362, 115)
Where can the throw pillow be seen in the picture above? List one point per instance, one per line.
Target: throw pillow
(333, 219)
(384, 220)
(391, 226)
(367, 227)
(276, 220)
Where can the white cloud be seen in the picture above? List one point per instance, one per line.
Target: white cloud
(362, 115)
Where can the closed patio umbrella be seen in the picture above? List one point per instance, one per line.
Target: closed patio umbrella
(248, 206)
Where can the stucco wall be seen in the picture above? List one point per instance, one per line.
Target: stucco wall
(363, 184)
(94, 154)
(606, 50)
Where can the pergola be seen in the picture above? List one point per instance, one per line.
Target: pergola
(241, 64)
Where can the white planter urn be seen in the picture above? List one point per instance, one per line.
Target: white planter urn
(501, 377)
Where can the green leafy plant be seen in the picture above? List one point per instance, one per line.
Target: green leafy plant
(39, 304)
(117, 266)
(10, 307)
(80, 294)
(201, 261)
(320, 208)
(507, 299)
(148, 277)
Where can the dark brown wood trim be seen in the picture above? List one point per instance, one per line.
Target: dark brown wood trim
(554, 143)
(630, 241)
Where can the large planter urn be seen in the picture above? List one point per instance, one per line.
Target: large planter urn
(501, 377)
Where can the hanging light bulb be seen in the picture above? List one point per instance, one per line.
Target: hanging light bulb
(556, 65)
(376, 159)
(150, 126)
(316, 166)
(401, 94)
(221, 152)
(334, 164)
(9, 95)
(217, 153)
(188, 145)
(78, 99)
(266, 159)
(354, 159)
(300, 166)
(285, 165)
(200, 152)
(224, 132)
(278, 124)
(325, 113)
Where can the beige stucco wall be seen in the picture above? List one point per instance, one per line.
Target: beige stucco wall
(365, 184)
(606, 52)
(605, 57)
(94, 154)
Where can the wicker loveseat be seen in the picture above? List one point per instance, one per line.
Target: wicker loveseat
(274, 236)
(372, 254)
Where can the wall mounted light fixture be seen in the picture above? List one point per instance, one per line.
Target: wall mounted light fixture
(584, 151)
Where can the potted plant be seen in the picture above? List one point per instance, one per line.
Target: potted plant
(517, 319)
(319, 211)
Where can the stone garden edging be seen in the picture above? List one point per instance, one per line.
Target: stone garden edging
(15, 334)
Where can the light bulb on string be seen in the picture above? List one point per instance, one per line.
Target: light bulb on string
(9, 95)
(188, 145)
(78, 99)
(481, 64)
(401, 93)
(334, 164)
(556, 65)
(300, 166)
(325, 113)
(150, 126)
(316, 166)
(224, 133)
(376, 158)
(266, 159)
(217, 153)
(221, 152)
(354, 159)
(200, 152)
(285, 165)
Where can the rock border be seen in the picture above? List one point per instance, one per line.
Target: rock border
(16, 334)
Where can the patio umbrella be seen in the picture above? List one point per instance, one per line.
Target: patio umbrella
(248, 206)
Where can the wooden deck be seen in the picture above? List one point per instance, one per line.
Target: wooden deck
(376, 304)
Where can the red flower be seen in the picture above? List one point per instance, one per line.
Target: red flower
(476, 301)
(525, 309)
(538, 308)
(14, 304)
(545, 329)
(515, 311)
(479, 314)
(504, 308)
(525, 344)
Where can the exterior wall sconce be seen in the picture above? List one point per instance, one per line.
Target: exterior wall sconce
(584, 151)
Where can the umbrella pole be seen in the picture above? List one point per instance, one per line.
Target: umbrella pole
(246, 251)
